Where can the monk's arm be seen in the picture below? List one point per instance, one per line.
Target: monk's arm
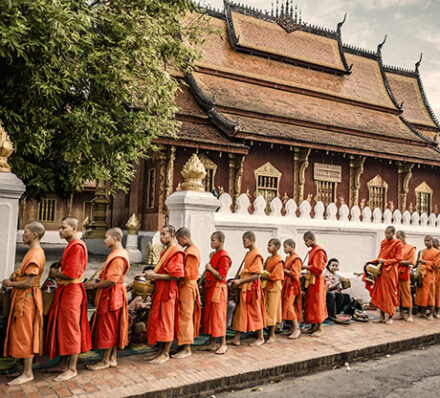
(214, 272)
(151, 275)
(99, 285)
(251, 278)
(54, 273)
(24, 284)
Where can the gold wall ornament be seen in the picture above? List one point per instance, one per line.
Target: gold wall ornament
(6, 149)
(153, 253)
(133, 225)
(86, 223)
(193, 173)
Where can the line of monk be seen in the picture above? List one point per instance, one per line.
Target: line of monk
(268, 292)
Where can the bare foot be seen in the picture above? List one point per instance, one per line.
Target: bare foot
(21, 379)
(428, 317)
(235, 341)
(270, 340)
(210, 347)
(67, 375)
(99, 365)
(150, 357)
(287, 332)
(389, 321)
(379, 321)
(409, 319)
(182, 354)
(113, 363)
(257, 343)
(222, 349)
(316, 333)
(295, 334)
(160, 359)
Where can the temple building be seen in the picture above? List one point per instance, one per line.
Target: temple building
(278, 107)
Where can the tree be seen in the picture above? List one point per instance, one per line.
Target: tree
(86, 86)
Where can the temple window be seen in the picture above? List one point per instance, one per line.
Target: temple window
(267, 178)
(326, 192)
(211, 168)
(46, 210)
(327, 177)
(151, 187)
(423, 198)
(377, 193)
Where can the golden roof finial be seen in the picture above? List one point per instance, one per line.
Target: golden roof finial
(193, 172)
(133, 225)
(6, 150)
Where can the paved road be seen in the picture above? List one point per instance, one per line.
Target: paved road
(405, 375)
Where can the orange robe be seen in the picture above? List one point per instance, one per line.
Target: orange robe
(164, 312)
(110, 323)
(425, 295)
(190, 309)
(404, 296)
(274, 266)
(315, 309)
(215, 301)
(291, 293)
(24, 333)
(384, 290)
(68, 330)
(437, 288)
(250, 313)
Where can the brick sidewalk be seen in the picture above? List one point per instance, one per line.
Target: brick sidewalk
(205, 373)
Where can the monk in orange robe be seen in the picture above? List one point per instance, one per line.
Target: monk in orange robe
(384, 288)
(428, 264)
(163, 318)
(215, 300)
(24, 333)
(68, 331)
(315, 308)
(437, 284)
(250, 314)
(291, 293)
(190, 310)
(404, 295)
(272, 281)
(110, 323)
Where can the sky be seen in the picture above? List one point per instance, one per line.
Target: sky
(412, 27)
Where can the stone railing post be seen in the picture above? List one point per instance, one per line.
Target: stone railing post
(11, 189)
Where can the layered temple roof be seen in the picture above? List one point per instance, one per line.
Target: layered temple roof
(271, 77)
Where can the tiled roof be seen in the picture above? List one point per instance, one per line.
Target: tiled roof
(350, 143)
(364, 84)
(406, 89)
(269, 102)
(270, 38)
(187, 104)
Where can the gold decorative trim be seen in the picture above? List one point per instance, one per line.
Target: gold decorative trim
(6, 149)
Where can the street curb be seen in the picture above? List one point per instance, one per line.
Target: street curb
(301, 368)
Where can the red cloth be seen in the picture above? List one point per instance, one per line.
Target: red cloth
(408, 254)
(110, 323)
(315, 308)
(163, 319)
(384, 291)
(216, 296)
(68, 330)
(291, 293)
(425, 294)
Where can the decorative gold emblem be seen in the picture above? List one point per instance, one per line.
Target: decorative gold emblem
(6, 150)
(193, 173)
(133, 225)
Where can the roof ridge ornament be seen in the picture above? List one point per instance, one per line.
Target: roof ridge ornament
(418, 63)
(379, 47)
(341, 23)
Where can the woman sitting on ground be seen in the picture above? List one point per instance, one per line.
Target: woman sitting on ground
(336, 301)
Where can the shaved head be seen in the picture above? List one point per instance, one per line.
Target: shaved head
(183, 232)
(220, 236)
(71, 221)
(116, 233)
(249, 235)
(290, 242)
(37, 228)
(309, 235)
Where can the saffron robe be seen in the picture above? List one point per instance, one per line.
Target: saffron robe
(250, 314)
(404, 296)
(437, 288)
(68, 330)
(425, 295)
(24, 333)
(190, 308)
(315, 309)
(164, 312)
(110, 323)
(384, 291)
(216, 296)
(291, 293)
(274, 267)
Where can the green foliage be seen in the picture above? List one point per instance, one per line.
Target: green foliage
(86, 85)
